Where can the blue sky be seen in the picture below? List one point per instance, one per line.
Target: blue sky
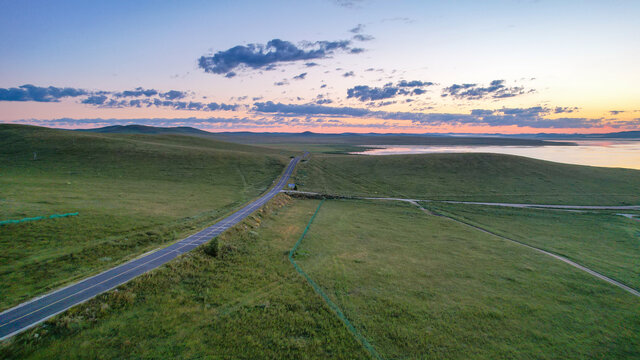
(567, 66)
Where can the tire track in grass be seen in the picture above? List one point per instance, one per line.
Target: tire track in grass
(324, 297)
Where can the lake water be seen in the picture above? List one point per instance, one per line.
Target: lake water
(624, 154)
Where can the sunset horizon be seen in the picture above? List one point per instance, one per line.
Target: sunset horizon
(406, 67)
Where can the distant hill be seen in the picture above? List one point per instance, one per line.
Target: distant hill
(308, 137)
(144, 129)
(367, 138)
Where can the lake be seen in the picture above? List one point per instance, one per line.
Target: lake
(609, 153)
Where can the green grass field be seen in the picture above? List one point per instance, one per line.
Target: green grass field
(604, 242)
(413, 284)
(470, 177)
(420, 286)
(133, 193)
(247, 303)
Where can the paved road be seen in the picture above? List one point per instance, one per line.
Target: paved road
(26, 315)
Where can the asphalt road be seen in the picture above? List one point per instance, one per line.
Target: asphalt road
(31, 313)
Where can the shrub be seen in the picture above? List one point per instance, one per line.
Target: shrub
(212, 248)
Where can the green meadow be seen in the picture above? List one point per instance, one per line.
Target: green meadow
(413, 284)
(133, 193)
(469, 177)
(602, 241)
(421, 286)
(246, 303)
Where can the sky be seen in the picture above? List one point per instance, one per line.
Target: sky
(327, 66)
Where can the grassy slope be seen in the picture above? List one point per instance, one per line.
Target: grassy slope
(133, 192)
(473, 177)
(248, 304)
(604, 242)
(421, 286)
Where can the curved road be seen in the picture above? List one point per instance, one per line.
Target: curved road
(31, 313)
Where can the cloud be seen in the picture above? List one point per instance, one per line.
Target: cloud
(104, 101)
(347, 3)
(300, 77)
(308, 109)
(533, 117)
(362, 37)
(173, 94)
(40, 94)
(414, 83)
(616, 112)
(311, 64)
(95, 100)
(281, 83)
(358, 29)
(136, 93)
(349, 74)
(259, 56)
(367, 93)
(560, 109)
(495, 90)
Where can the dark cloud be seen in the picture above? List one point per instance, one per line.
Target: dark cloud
(521, 117)
(349, 74)
(230, 74)
(281, 83)
(40, 94)
(136, 93)
(414, 83)
(367, 93)
(95, 100)
(292, 109)
(560, 109)
(117, 102)
(362, 37)
(495, 90)
(616, 112)
(358, 29)
(173, 94)
(311, 64)
(300, 77)
(259, 56)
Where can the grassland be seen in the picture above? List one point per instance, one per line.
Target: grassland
(471, 177)
(415, 285)
(246, 303)
(133, 193)
(420, 286)
(602, 241)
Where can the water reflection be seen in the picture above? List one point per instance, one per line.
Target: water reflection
(609, 153)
